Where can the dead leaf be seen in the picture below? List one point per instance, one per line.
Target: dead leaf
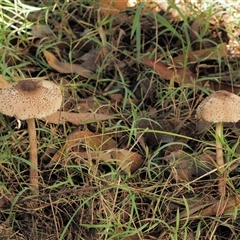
(203, 54)
(210, 29)
(181, 165)
(97, 142)
(202, 126)
(193, 208)
(3, 200)
(186, 77)
(116, 97)
(101, 147)
(206, 208)
(210, 208)
(127, 160)
(195, 28)
(180, 75)
(91, 59)
(186, 167)
(134, 237)
(155, 137)
(229, 205)
(91, 104)
(60, 117)
(64, 67)
(104, 156)
(41, 31)
(200, 28)
(214, 85)
(183, 128)
(112, 7)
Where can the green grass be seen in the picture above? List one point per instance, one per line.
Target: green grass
(92, 198)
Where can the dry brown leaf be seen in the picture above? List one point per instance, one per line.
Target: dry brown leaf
(186, 167)
(210, 208)
(182, 166)
(154, 138)
(112, 7)
(195, 28)
(104, 156)
(96, 142)
(193, 208)
(92, 105)
(101, 147)
(202, 126)
(118, 97)
(134, 237)
(229, 205)
(3, 200)
(91, 59)
(64, 67)
(179, 75)
(127, 160)
(61, 117)
(186, 77)
(41, 31)
(224, 86)
(203, 54)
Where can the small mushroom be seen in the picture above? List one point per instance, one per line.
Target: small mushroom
(26, 100)
(221, 106)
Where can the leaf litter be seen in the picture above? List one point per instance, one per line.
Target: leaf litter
(127, 122)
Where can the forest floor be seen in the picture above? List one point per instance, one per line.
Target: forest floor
(124, 157)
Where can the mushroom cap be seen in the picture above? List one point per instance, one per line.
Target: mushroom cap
(220, 106)
(30, 99)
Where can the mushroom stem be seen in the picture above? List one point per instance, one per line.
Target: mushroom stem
(33, 155)
(219, 158)
(219, 150)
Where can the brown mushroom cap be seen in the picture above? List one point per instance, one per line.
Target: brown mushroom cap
(220, 106)
(30, 99)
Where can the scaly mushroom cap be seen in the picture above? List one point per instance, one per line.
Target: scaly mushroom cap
(220, 106)
(30, 99)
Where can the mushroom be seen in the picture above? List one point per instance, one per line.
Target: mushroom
(27, 100)
(221, 106)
